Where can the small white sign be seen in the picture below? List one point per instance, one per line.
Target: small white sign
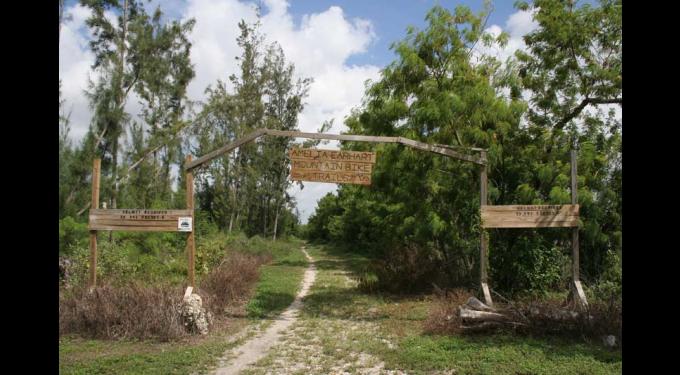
(184, 224)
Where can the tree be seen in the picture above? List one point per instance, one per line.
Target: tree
(282, 106)
(573, 63)
(141, 53)
(435, 94)
(164, 74)
(573, 59)
(247, 189)
(119, 74)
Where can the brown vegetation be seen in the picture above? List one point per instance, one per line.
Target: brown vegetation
(139, 311)
(228, 284)
(452, 314)
(129, 311)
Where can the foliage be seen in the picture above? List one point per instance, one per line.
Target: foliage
(440, 91)
(71, 235)
(247, 190)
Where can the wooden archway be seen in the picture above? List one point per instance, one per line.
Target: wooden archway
(445, 150)
(480, 160)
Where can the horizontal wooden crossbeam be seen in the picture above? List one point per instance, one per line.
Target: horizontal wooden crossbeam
(437, 149)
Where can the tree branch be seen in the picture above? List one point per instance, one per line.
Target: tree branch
(576, 111)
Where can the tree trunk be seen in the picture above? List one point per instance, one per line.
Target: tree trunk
(265, 208)
(114, 173)
(231, 220)
(276, 222)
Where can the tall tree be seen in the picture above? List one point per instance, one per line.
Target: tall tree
(432, 93)
(572, 67)
(247, 189)
(118, 76)
(283, 103)
(164, 74)
(435, 93)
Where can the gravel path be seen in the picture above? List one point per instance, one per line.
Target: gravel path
(250, 352)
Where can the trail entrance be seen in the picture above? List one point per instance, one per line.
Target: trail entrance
(344, 167)
(308, 166)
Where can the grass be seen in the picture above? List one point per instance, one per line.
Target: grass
(78, 356)
(275, 290)
(278, 284)
(499, 354)
(341, 327)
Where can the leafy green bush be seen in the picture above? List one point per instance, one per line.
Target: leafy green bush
(529, 265)
(609, 287)
(71, 234)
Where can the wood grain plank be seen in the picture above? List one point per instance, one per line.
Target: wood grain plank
(530, 216)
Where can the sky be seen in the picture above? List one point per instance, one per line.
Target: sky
(340, 44)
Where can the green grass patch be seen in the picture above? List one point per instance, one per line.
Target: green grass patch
(79, 356)
(499, 354)
(279, 282)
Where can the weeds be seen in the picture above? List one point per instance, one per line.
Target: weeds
(131, 311)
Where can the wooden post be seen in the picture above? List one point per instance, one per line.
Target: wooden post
(484, 251)
(191, 250)
(577, 290)
(96, 167)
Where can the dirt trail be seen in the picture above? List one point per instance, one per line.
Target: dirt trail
(257, 348)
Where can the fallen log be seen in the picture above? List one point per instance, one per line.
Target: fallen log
(474, 315)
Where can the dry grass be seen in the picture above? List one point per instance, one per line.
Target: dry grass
(443, 318)
(538, 317)
(130, 311)
(226, 285)
(142, 312)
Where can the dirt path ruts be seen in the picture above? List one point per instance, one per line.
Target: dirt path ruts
(255, 349)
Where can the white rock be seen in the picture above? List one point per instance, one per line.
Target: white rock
(194, 315)
(610, 341)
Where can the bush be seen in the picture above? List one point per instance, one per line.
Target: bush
(71, 235)
(228, 283)
(122, 312)
(544, 316)
(410, 268)
(530, 266)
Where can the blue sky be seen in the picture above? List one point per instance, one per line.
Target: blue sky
(340, 44)
(391, 18)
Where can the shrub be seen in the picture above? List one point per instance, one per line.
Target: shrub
(406, 269)
(443, 318)
(130, 311)
(71, 234)
(530, 266)
(229, 282)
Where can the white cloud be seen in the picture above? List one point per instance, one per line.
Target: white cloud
(75, 61)
(521, 23)
(318, 47)
(517, 25)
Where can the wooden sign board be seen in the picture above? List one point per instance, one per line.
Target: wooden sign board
(141, 220)
(332, 166)
(534, 216)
